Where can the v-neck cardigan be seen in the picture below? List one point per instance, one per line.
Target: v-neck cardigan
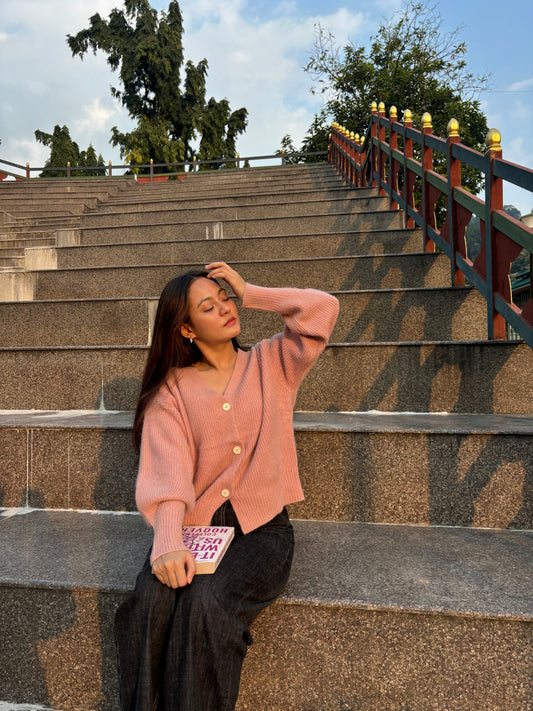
(200, 448)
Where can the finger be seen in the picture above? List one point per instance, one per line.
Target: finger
(191, 568)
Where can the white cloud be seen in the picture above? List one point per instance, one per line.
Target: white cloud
(97, 117)
(523, 85)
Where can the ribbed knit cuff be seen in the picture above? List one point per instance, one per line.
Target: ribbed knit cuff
(264, 298)
(168, 528)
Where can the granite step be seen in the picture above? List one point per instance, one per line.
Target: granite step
(173, 198)
(398, 617)
(22, 241)
(461, 377)
(173, 212)
(339, 273)
(395, 468)
(17, 203)
(179, 250)
(415, 315)
(156, 229)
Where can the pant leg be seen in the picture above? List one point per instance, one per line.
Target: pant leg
(200, 655)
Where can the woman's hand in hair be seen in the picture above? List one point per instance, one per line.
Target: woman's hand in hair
(221, 270)
(175, 569)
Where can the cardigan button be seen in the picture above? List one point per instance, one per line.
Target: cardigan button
(226, 406)
(225, 493)
(236, 450)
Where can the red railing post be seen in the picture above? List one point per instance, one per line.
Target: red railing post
(373, 146)
(110, 170)
(427, 164)
(393, 145)
(381, 151)
(456, 230)
(408, 176)
(493, 202)
(27, 171)
(352, 159)
(357, 160)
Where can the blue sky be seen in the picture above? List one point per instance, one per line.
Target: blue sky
(256, 50)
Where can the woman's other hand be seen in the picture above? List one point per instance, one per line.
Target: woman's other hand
(175, 569)
(221, 270)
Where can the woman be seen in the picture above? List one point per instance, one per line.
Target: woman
(214, 426)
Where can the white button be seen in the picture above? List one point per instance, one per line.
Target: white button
(225, 493)
(236, 450)
(226, 406)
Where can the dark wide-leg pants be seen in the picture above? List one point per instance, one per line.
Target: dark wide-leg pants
(183, 649)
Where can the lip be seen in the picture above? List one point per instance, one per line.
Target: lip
(231, 321)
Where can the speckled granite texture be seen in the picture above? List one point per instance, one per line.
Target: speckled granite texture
(426, 613)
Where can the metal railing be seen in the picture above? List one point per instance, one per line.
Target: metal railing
(385, 158)
(151, 171)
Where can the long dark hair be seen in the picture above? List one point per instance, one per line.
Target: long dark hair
(169, 348)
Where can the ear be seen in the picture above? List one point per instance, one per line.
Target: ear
(186, 331)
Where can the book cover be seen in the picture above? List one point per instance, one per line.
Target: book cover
(208, 545)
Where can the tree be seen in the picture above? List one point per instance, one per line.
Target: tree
(147, 51)
(473, 241)
(64, 150)
(288, 151)
(413, 63)
(219, 128)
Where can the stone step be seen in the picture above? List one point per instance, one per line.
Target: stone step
(424, 469)
(410, 270)
(204, 251)
(12, 261)
(193, 198)
(461, 377)
(22, 241)
(243, 191)
(90, 186)
(17, 203)
(37, 214)
(174, 212)
(157, 230)
(414, 315)
(399, 617)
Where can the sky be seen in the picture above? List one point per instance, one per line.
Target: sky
(256, 50)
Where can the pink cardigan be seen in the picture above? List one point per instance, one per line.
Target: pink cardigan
(200, 448)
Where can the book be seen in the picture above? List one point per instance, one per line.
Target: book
(208, 545)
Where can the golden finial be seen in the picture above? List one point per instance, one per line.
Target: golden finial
(356, 138)
(426, 121)
(493, 140)
(393, 113)
(453, 128)
(362, 140)
(374, 106)
(352, 136)
(407, 116)
(381, 107)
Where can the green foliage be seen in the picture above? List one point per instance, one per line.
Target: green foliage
(64, 150)
(413, 63)
(146, 50)
(220, 128)
(287, 150)
(473, 242)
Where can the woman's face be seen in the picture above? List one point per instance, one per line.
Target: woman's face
(213, 317)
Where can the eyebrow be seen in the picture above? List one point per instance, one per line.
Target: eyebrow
(207, 298)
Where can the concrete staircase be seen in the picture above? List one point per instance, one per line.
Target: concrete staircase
(411, 587)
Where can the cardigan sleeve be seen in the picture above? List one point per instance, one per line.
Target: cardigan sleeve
(309, 317)
(165, 490)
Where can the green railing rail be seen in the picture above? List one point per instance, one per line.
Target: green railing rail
(150, 170)
(396, 158)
